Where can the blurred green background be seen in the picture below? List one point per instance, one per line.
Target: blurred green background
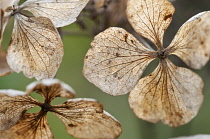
(70, 72)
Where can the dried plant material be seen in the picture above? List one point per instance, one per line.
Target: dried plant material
(84, 118)
(5, 4)
(60, 12)
(5, 11)
(4, 67)
(35, 47)
(117, 60)
(167, 94)
(200, 136)
(5, 14)
(89, 119)
(42, 88)
(191, 43)
(115, 65)
(12, 104)
(30, 126)
(150, 18)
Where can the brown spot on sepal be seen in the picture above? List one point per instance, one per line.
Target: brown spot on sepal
(126, 37)
(167, 16)
(206, 54)
(132, 41)
(115, 74)
(117, 54)
(71, 125)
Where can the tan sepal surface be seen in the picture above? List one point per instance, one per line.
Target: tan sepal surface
(192, 41)
(50, 89)
(4, 67)
(60, 12)
(170, 94)
(150, 18)
(30, 126)
(36, 48)
(85, 118)
(12, 106)
(116, 61)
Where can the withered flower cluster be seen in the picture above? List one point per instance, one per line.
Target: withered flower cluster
(35, 47)
(115, 64)
(83, 118)
(117, 60)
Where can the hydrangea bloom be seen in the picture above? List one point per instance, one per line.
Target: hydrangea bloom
(117, 60)
(83, 118)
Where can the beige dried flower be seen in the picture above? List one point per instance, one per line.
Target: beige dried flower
(117, 60)
(83, 118)
(36, 48)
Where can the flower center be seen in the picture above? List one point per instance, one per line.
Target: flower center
(46, 107)
(162, 54)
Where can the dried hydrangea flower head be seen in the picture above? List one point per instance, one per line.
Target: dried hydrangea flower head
(117, 60)
(83, 118)
(4, 18)
(36, 48)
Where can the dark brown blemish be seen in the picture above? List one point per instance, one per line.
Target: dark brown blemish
(71, 125)
(162, 54)
(126, 37)
(206, 54)
(46, 107)
(180, 115)
(9, 9)
(115, 74)
(132, 41)
(167, 16)
(117, 54)
(145, 111)
(86, 57)
(18, 132)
